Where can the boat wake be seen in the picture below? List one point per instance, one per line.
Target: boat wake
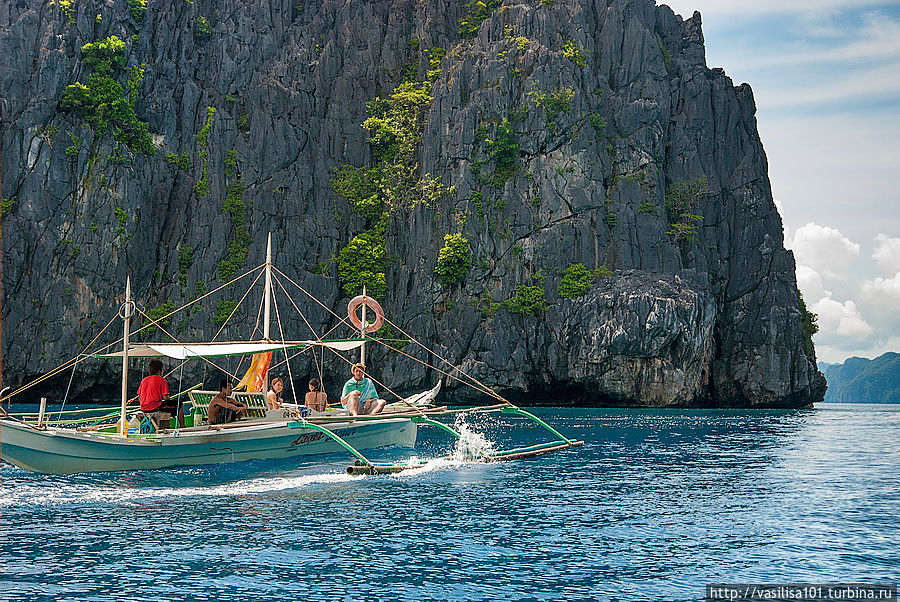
(127, 492)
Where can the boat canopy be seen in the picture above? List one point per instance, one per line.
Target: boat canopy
(180, 351)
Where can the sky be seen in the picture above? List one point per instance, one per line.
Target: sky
(826, 78)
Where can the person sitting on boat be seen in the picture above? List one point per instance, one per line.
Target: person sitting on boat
(359, 395)
(223, 408)
(153, 393)
(316, 399)
(273, 397)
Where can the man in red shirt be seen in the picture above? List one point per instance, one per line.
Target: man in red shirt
(154, 393)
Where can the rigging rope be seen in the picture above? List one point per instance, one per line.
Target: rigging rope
(71, 362)
(478, 386)
(68, 363)
(311, 329)
(284, 347)
(68, 388)
(213, 364)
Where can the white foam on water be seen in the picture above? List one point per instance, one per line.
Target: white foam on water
(428, 465)
(471, 445)
(468, 449)
(84, 493)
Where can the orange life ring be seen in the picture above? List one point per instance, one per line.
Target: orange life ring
(371, 304)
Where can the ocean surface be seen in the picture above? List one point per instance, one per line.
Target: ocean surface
(654, 506)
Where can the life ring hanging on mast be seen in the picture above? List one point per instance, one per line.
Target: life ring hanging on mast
(370, 303)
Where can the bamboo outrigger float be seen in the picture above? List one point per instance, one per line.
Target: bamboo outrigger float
(364, 466)
(100, 439)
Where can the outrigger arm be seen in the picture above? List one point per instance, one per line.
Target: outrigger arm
(303, 424)
(365, 466)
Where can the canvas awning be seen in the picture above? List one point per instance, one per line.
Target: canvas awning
(180, 351)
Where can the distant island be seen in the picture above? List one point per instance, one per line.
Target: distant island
(862, 380)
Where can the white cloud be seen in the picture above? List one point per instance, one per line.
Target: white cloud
(824, 249)
(842, 319)
(860, 84)
(809, 282)
(887, 253)
(810, 157)
(884, 292)
(878, 39)
(741, 7)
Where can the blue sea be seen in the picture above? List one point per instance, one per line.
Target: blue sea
(654, 506)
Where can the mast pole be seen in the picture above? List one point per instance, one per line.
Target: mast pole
(268, 303)
(362, 331)
(268, 298)
(126, 317)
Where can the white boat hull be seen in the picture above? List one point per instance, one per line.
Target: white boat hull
(66, 451)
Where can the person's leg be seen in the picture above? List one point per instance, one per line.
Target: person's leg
(353, 406)
(378, 405)
(175, 409)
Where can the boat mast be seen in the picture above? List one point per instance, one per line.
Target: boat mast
(268, 293)
(126, 317)
(267, 302)
(362, 331)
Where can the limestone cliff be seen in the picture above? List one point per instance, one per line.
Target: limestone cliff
(617, 239)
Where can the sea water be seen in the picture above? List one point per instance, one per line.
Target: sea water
(655, 505)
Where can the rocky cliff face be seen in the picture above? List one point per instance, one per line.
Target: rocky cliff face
(546, 134)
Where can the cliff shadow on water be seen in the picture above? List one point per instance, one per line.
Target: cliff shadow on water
(559, 196)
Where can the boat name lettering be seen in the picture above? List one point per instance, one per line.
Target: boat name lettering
(313, 437)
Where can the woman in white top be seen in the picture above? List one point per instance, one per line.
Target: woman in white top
(273, 397)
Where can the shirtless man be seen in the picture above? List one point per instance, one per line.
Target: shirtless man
(222, 408)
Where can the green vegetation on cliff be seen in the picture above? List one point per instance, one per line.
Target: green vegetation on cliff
(391, 183)
(575, 54)
(201, 186)
(236, 209)
(529, 300)
(158, 315)
(363, 263)
(810, 324)
(103, 102)
(503, 149)
(575, 281)
(553, 102)
(138, 9)
(477, 11)
(682, 199)
(454, 260)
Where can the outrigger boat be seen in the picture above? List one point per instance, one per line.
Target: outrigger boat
(104, 439)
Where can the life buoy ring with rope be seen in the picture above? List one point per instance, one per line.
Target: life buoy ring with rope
(370, 303)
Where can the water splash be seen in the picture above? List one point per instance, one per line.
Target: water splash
(471, 445)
